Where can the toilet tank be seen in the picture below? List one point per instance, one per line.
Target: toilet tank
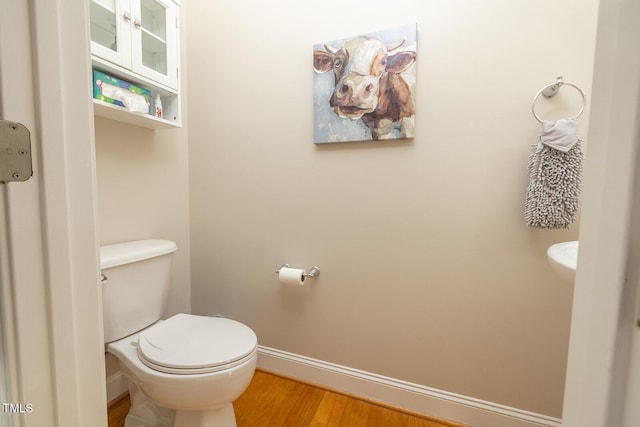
(135, 285)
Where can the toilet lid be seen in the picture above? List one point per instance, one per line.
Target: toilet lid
(189, 344)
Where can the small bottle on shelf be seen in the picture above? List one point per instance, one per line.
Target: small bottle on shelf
(158, 106)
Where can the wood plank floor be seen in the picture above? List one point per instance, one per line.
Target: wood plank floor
(117, 411)
(274, 401)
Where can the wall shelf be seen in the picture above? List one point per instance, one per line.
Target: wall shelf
(115, 112)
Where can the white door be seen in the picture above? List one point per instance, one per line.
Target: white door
(23, 277)
(52, 348)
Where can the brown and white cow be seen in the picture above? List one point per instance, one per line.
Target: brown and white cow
(369, 85)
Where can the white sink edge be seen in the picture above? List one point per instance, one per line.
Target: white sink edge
(563, 258)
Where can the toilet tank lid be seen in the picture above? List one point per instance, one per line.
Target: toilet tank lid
(125, 253)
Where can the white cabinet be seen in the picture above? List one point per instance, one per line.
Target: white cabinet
(138, 41)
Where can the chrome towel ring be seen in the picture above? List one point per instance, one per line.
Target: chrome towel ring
(551, 90)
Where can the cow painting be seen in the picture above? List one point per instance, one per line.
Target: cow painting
(370, 95)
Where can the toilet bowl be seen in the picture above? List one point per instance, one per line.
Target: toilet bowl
(191, 364)
(184, 371)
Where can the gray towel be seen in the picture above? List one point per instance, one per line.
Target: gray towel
(555, 176)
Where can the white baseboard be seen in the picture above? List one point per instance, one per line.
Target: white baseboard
(401, 394)
(116, 386)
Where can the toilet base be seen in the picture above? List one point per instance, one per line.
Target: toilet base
(144, 412)
(219, 417)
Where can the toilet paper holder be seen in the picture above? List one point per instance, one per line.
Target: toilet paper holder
(313, 272)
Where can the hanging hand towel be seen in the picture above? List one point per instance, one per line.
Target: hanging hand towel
(555, 176)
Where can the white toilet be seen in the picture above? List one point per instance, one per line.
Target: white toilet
(184, 371)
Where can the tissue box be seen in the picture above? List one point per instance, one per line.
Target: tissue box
(119, 92)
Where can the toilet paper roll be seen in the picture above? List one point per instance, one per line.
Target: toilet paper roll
(292, 276)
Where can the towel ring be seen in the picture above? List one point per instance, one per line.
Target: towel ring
(551, 90)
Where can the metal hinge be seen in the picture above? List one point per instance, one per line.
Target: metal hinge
(15, 152)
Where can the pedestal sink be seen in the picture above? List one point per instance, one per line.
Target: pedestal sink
(563, 258)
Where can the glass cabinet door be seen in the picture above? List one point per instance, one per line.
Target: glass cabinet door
(109, 39)
(103, 23)
(154, 35)
(155, 45)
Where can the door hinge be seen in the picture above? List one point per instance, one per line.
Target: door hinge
(15, 152)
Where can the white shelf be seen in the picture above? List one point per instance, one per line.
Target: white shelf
(106, 5)
(115, 112)
(159, 41)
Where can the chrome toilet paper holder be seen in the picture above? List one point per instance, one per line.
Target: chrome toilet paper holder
(313, 272)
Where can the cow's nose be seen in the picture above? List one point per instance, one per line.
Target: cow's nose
(344, 89)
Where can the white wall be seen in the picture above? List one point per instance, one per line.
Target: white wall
(429, 274)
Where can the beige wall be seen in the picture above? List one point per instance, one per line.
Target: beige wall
(143, 193)
(428, 272)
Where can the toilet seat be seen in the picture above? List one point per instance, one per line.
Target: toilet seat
(188, 344)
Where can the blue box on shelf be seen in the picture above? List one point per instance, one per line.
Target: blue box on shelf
(122, 93)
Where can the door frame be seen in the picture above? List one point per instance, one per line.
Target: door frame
(51, 298)
(605, 308)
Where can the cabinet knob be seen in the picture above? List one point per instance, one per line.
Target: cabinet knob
(126, 16)
(137, 23)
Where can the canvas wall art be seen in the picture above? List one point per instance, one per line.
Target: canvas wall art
(364, 87)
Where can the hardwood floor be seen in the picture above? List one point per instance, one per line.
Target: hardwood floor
(274, 401)
(117, 411)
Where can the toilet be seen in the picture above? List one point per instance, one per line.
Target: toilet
(184, 371)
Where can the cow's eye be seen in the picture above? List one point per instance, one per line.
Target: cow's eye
(337, 63)
(384, 62)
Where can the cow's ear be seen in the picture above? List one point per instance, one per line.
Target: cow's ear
(322, 61)
(399, 62)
